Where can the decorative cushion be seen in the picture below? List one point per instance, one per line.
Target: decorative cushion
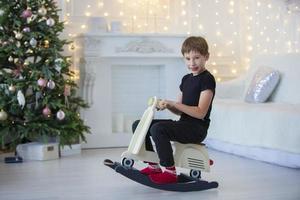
(264, 82)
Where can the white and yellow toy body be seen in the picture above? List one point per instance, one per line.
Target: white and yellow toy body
(189, 156)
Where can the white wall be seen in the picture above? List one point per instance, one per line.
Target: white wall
(237, 30)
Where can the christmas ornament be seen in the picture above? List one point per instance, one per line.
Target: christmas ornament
(58, 62)
(31, 18)
(18, 44)
(21, 99)
(51, 84)
(12, 88)
(60, 115)
(3, 115)
(38, 95)
(18, 35)
(46, 112)
(26, 29)
(16, 60)
(42, 82)
(67, 91)
(42, 11)
(50, 22)
(46, 43)
(10, 59)
(26, 13)
(33, 42)
(29, 51)
(26, 63)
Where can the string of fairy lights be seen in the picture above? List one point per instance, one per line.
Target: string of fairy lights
(236, 29)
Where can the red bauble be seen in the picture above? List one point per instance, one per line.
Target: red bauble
(46, 111)
(42, 82)
(26, 13)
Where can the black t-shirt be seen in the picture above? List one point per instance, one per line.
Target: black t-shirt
(191, 86)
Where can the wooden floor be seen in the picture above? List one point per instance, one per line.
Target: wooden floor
(84, 177)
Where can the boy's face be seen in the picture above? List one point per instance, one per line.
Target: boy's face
(195, 61)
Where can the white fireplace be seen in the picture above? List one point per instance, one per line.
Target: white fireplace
(118, 73)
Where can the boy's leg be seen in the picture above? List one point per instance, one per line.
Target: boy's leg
(148, 143)
(165, 132)
(152, 168)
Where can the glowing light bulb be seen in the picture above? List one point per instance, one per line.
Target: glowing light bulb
(183, 12)
(185, 23)
(234, 71)
(121, 13)
(215, 71)
(105, 14)
(258, 4)
(231, 3)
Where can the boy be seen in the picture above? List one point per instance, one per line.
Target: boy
(197, 90)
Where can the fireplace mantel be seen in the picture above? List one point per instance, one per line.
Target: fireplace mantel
(130, 45)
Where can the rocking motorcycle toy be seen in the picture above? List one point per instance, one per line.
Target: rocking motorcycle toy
(193, 157)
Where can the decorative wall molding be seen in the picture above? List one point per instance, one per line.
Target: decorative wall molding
(92, 43)
(144, 45)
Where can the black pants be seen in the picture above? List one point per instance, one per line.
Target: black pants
(164, 131)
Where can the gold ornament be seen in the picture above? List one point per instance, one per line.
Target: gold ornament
(12, 88)
(42, 11)
(26, 63)
(46, 43)
(10, 59)
(3, 115)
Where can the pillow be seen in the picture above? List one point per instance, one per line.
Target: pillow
(264, 82)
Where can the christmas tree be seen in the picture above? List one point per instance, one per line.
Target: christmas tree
(37, 93)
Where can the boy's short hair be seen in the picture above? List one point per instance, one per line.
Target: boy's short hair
(194, 43)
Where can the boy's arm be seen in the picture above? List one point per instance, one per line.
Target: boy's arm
(173, 109)
(163, 104)
(198, 112)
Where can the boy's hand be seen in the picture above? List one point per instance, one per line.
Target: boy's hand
(161, 105)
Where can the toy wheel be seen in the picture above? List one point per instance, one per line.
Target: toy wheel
(127, 162)
(195, 173)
